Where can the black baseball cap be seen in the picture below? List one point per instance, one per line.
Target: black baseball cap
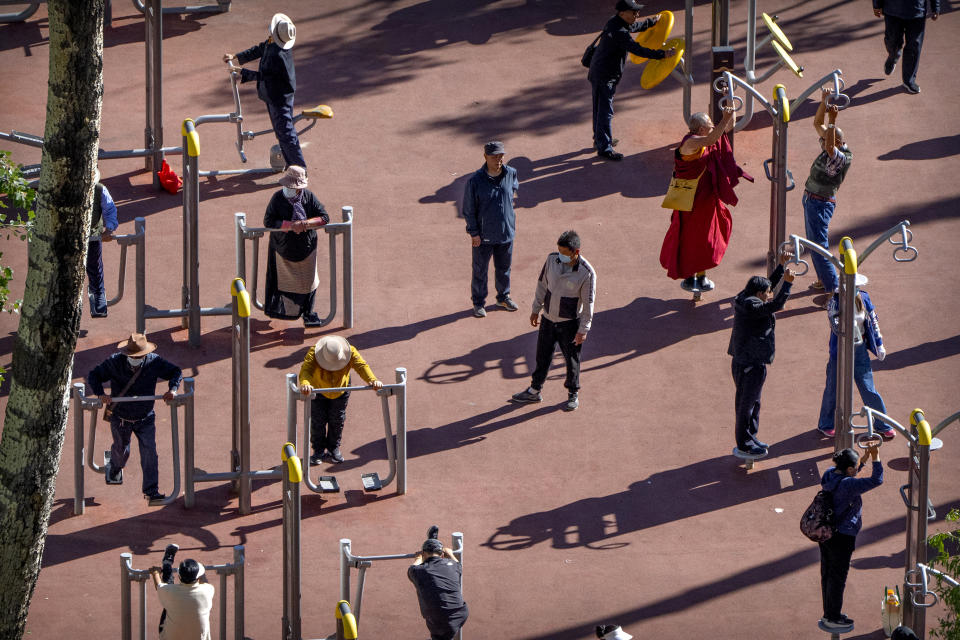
(628, 5)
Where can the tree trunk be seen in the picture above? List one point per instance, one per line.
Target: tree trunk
(43, 349)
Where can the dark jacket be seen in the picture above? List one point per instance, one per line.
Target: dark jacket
(615, 42)
(847, 503)
(437, 581)
(117, 371)
(752, 339)
(488, 205)
(276, 78)
(907, 9)
(290, 245)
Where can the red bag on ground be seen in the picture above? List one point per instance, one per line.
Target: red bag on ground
(168, 179)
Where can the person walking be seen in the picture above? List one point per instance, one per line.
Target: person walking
(134, 371)
(565, 293)
(276, 82)
(606, 69)
(491, 224)
(846, 489)
(292, 279)
(905, 22)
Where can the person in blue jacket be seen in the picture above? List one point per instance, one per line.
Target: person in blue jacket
(867, 340)
(276, 82)
(103, 222)
(904, 24)
(491, 224)
(846, 488)
(606, 69)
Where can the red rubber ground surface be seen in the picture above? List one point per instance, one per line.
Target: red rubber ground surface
(631, 509)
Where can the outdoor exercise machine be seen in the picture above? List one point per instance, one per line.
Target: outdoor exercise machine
(130, 575)
(396, 444)
(658, 37)
(240, 474)
(348, 562)
(332, 229)
(32, 5)
(775, 167)
(91, 404)
(922, 439)
(292, 621)
(847, 266)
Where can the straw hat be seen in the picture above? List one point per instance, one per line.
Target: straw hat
(136, 345)
(332, 353)
(283, 30)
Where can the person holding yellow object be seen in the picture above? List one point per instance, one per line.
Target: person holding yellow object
(327, 366)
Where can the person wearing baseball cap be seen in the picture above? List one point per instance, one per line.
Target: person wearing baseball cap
(187, 605)
(134, 371)
(327, 365)
(276, 82)
(606, 68)
(437, 576)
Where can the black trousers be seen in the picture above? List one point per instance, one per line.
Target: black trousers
(281, 117)
(835, 556)
(502, 254)
(552, 334)
(446, 628)
(749, 380)
(603, 93)
(326, 421)
(906, 34)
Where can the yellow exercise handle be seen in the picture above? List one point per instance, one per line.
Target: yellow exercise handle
(239, 291)
(189, 131)
(924, 434)
(783, 105)
(849, 256)
(289, 455)
(347, 620)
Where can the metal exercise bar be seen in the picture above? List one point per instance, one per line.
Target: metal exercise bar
(28, 11)
(332, 229)
(222, 6)
(396, 439)
(292, 475)
(82, 402)
(240, 473)
(142, 577)
(349, 561)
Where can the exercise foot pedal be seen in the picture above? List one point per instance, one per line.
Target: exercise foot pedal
(328, 484)
(320, 111)
(748, 459)
(371, 482)
(834, 631)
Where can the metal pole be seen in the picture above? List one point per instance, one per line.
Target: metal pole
(285, 623)
(79, 390)
(345, 570)
(243, 362)
(720, 36)
(126, 632)
(401, 375)
(845, 347)
(140, 227)
(235, 420)
(142, 588)
(239, 576)
(157, 80)
(191, 209)
(240, 220)
(347, 214)
(223, 607)
(290, 384)
(778, 192)
(189, 443)
(457, 540)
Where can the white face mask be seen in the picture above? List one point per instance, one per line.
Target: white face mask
(289, 192)
(564, 258)
(135, 362)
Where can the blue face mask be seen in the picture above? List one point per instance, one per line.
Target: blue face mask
(564, 259)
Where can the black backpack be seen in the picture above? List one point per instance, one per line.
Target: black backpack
(817, 521)
(588, 54)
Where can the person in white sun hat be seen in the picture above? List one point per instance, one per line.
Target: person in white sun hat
(327, 366)
(276, 82)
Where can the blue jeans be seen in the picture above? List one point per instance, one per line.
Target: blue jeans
(281, 117)
(95, 266)
(863, 377)
(146, 431)
(603, 114)
(502, 257)
(816, 216)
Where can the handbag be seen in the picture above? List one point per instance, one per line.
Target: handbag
(108, 410)
(588, 53)
(817, 522)
(681, 193)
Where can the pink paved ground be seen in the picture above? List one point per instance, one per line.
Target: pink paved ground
(629, 510)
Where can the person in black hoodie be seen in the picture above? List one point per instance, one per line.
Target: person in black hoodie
(841, 481)
(752, 347)
(904, 24)
(606, 68)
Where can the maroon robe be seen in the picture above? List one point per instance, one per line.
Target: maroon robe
(697, 239)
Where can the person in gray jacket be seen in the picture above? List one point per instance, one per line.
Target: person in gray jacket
(565, 292)
(904, 25)
(752, 346)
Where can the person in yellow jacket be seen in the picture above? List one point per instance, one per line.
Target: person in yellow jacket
(327, 366)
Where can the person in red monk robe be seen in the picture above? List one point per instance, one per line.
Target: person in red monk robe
(697, 239)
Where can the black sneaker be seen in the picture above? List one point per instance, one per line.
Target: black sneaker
(573, 402)
(613, 142)
(433, 532)
(911, 87)
(335, 455)
(98, 305)
(688, 284)
(844, 619)
(317, 459)
(312, 320)
(705, 284)
(156, 496)
(834, 625)
(757, 443)
(610, 155)
(526, 397)
(508, 304)
(170, 553)
(114, 476)
(752, 450)
(889, 65)
(479, 311)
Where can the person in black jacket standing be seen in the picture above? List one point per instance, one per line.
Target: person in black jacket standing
(904, 20)
(752, 347)
(606, 68)
(276, 82)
